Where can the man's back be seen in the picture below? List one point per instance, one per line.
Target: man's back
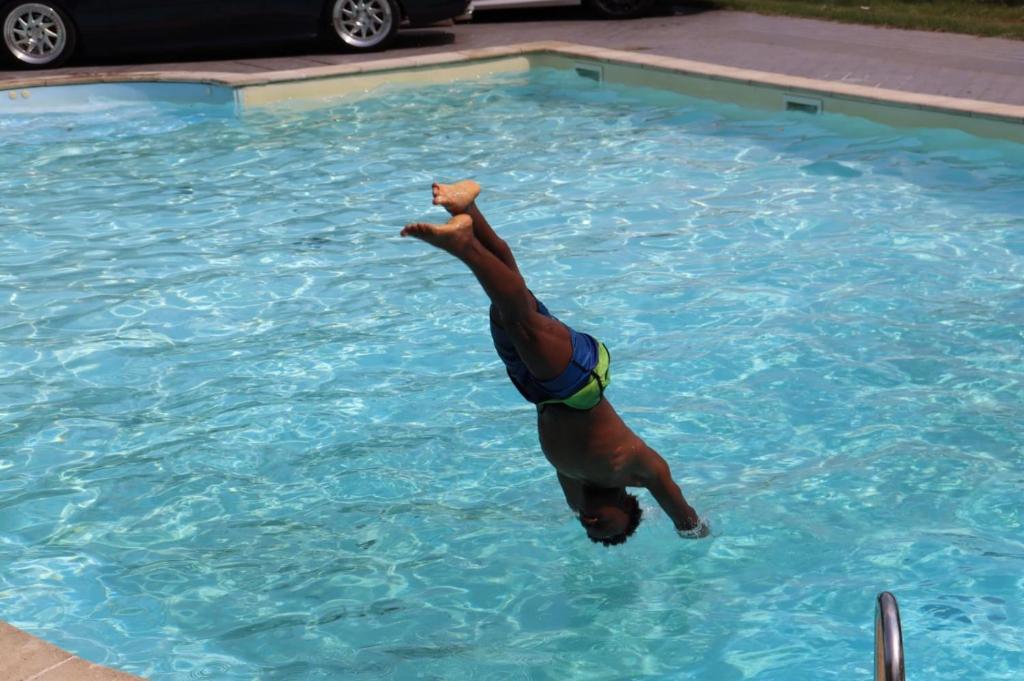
(593, 446)
(595, 450)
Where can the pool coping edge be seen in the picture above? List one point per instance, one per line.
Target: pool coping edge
(955, 106)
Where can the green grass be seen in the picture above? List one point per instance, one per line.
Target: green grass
(1002, 18)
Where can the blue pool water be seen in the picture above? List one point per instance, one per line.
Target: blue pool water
(248, 432)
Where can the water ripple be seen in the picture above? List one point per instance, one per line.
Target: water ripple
(247, 432)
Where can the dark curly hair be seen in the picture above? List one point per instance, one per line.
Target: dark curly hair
(632, 507)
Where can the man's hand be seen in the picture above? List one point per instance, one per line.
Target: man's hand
(702, 530)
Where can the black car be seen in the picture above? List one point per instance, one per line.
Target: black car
(46, 34)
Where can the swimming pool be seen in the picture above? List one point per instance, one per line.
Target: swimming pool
(247, 432)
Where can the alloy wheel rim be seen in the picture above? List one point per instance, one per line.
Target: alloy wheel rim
(362, 23)
(35, 34)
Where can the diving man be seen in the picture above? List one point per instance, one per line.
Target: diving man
(565, 374)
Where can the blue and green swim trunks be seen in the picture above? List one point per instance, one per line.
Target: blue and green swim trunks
(580, 386)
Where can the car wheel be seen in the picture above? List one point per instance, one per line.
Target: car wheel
(364, 24)
(619, 9)
(36, 35)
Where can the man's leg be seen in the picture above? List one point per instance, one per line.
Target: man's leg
(543, 343)
(460, 198)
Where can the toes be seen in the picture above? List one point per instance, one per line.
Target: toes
(415, 228)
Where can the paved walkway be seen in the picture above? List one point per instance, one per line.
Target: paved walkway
(989, 69)
(26, 658)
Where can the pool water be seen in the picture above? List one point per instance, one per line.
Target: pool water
(248, 432)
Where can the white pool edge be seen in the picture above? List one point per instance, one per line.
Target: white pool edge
(317, 86)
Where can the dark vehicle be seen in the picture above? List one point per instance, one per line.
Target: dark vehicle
(46, 34)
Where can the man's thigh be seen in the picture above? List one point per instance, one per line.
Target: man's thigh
(542, 342)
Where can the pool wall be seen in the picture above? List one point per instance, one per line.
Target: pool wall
(771, 91)
(311, 89)
(90, 96)
(319, 86)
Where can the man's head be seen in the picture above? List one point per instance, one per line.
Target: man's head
(610, 516)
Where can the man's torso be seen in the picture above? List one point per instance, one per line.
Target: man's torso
(592, 446)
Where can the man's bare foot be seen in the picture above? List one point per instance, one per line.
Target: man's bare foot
(452, 237)
(456, 198)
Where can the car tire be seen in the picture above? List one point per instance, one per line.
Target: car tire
(363, 25)
(619, 9)
(36, 35)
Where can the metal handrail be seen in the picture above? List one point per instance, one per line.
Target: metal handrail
(888, 639)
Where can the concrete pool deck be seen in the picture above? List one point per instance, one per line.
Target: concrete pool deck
(26, 658)
(927, 73)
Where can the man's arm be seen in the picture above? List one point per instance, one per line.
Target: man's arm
(657, 478)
